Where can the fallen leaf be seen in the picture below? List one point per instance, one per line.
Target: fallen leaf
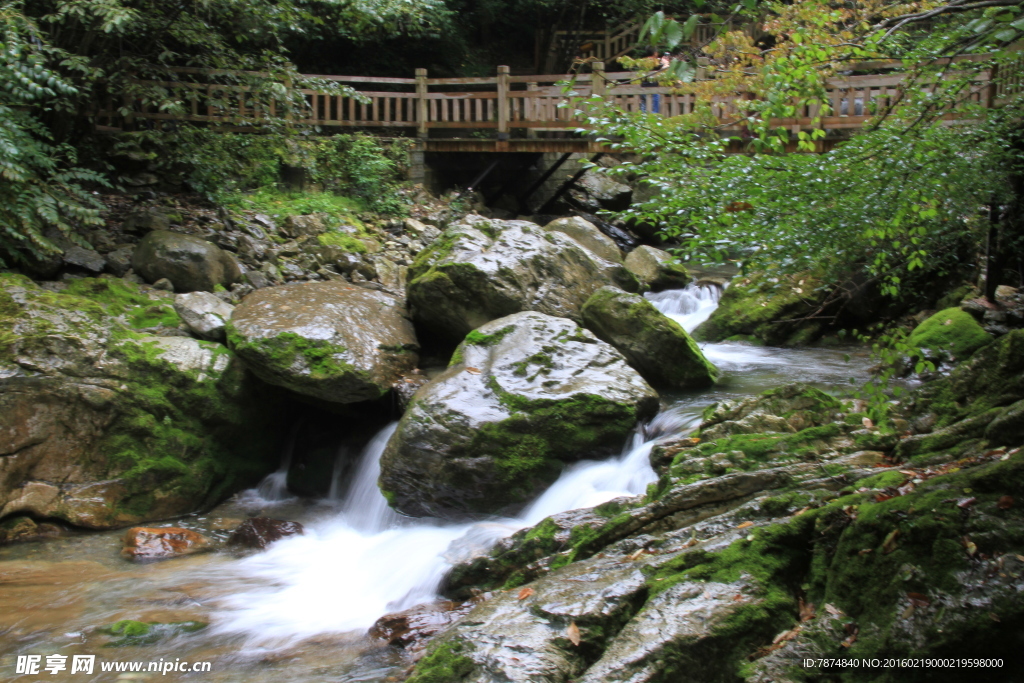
(867, 422)
(737, 597)
(695, 440)
(889, 544)
(908, 612)
(801, 511)
(850, 639)
(574, 633)
(993, 616)
(745, 524)
(525, 593)
(473, 371)
(833, 610)
(636, 555)
(971, 548)
(1020, 557)
(965, 503)
(881, 498)
(919, 599)
(1005, 503)
(866, 551)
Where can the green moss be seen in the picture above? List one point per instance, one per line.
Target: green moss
(476, 338)
(545, 531)
(132, 633)
(951, 331)
(120, 297)
(761, 446)
(883, 480)
(446, 662)
(322, 358)
(341, 240)
(756, 307)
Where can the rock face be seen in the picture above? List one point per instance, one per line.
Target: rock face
(190, 263)
(654, 344)
(657, 269)
(144, 544)
(259, 532)
(607, 193)
(588, 236)
(102, 426)
(524, 395)
(766, 542)
(330, 340)
(482, 269)
(205, 314)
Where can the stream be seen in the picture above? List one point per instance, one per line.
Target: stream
(300, 610)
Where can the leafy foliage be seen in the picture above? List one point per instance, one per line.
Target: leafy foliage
(41, 188)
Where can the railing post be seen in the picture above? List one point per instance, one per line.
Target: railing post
(422, 108)
(532, 108)
(503, 103)
(598, 85)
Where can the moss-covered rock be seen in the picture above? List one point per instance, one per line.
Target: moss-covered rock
(951, 333)
(766, 309)
(104, 426)
(654, 344)
(329, 340)
(482, 269)
(657, 270)
(525, 394)
(190, 263)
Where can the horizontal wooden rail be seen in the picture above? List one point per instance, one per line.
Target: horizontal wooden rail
(502, 103)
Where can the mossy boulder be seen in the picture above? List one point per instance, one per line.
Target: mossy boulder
(103, 426)
(482, 269)
(953, 334)
(654, 344)
(524, 395)
(190, 263)
(766, 308)
(332, 341)
(657, 269)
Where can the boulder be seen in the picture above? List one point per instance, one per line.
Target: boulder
(297, 226)
(482, 269)
(145, 220)
(102, 426)
(144, 544)
(951, 334)
(190, 263)
(609, 194)
(119, 261)
(329, 340)
(412, 627)
(654, 345)
(205, 314)
(259, 532)
(588, 236)
(768, 309)
(1007, 429)
(84, 259)
(657, 269)
(524, 395)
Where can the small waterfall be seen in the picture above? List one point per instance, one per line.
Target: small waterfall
(689, 306)
(274, 487)
(365, 508)
(337, 485)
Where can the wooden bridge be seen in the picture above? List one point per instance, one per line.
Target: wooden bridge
(503, 113)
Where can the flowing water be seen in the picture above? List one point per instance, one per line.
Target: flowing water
(299, 610)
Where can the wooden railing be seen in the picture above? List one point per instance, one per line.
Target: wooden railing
(502, 103)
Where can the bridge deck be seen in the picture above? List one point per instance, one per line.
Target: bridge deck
(499, 114)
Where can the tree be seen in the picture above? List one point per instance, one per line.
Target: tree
(899, 197)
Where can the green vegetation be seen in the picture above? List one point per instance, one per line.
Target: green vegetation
(445, 663)
(479, 339)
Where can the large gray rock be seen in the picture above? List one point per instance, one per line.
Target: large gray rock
(657, 346)
(86, 259)
(482, 269)
(190, 263)
(205, 314)
(330, 340)
(657, 269)
(524, 395)
(1008, 428)
(609, 194)
(587, 234)
(102, 426)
